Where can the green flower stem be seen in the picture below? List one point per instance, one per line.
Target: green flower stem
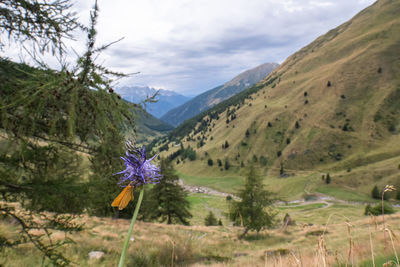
(128, 237)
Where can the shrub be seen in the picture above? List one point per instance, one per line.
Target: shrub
(297, 125)
(210, 220)
(219, 162)
(210, 162)
(377, 209)
(278, 154)
(375, 193)
(329, 84)
(227, 165)
(328, 179)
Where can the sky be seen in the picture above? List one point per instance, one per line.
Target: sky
(190, 46)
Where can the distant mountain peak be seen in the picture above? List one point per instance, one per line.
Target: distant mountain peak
(166, 99)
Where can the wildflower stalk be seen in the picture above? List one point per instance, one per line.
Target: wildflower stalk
(128, 237)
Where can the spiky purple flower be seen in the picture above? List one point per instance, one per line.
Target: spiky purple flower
(139, 170)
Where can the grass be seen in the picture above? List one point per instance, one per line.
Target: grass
(342, 193)
(160, 244)
(223, 184)
(202, 204)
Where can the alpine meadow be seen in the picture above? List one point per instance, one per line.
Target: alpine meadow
(289, 164)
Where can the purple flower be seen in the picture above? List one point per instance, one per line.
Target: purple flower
(139, 170)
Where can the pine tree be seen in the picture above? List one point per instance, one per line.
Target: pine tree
(254, 211)
(170, 203)
(210, 220)
(46, 118)
(328, 179)
(375, 193)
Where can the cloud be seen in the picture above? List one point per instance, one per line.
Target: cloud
(192, 46)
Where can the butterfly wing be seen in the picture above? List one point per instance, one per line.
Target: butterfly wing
(122, 200)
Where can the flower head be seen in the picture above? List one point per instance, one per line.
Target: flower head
(139, 170)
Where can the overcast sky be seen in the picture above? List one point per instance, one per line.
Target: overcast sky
(190, 46)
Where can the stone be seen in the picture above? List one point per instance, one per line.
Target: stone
(96, 254)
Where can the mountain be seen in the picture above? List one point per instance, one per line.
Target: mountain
(166, 100)
(149, 127)
(214, 96)
(333, 106)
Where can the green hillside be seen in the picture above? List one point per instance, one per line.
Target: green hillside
(333, 106)
(210, 98)
(149, 127)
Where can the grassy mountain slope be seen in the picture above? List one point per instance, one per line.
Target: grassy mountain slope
(149, 127)
(220, 93)
(333, 106)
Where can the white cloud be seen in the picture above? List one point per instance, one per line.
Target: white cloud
(192, 46)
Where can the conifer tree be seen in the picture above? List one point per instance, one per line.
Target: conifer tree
(254, 211)
(328, 179)
(169, 198)
(210, 220)
(375, 193)
(46, 118)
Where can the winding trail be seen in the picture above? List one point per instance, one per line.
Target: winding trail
(319, 198)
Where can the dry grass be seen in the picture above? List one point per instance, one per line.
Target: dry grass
(337, 241)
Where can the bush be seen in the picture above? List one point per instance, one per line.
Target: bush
(377, 209)
(227, 165)
(329, 84)
(375, 193)
(328, 179)
(210, 220)
(210, 162)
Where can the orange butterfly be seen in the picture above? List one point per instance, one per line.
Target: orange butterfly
(122, 200)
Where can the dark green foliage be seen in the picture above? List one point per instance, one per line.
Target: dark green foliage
(328, 179)
(242, 164)
(46, 118)
(210, 162)
(269, 124)
(41, 23)
(228, 198)
(281, 170)
(375, 193)
(305, 102)
(377, 209)
(226, 164)
(255, 158)
(169, 198)
(329, 84)
(105, 162)
(254, 210)
(183, 153)
(379, 70)
(287, 140)
(247, 133)
(219, 162)
(226, 145)
(297, 125)
(263, 161)
(279, 153)
(342, 96)
(220, 222)
(305, 94)
(210, 220)
(398, 195)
